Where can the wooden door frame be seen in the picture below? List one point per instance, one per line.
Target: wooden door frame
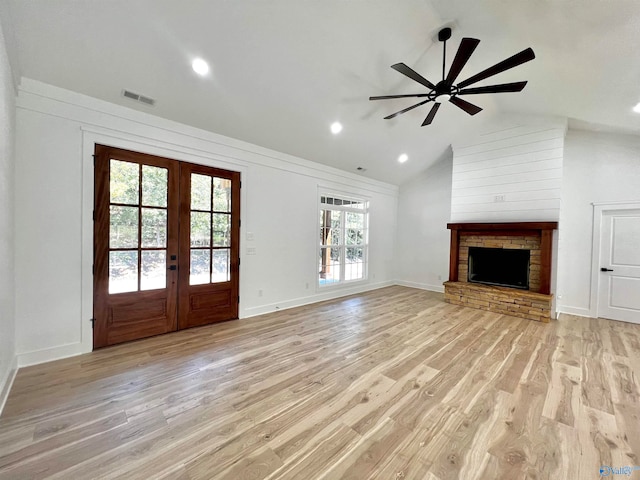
(103, 156)
(151, 146)
(185, 289)
(145, 140)
(599, 210)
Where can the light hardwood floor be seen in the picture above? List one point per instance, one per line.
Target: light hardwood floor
(391, 384)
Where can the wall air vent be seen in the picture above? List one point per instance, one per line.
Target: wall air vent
(138, 98)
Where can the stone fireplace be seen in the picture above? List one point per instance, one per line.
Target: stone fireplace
(510, 268)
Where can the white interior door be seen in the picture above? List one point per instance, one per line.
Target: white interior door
(619, 283)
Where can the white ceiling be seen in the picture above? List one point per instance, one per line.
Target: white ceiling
(284, 70)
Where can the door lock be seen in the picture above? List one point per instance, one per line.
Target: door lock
(172, 267)
(605, 269)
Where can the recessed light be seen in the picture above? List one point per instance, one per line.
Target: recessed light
(637, 108)
(336, 127)
(403, 158)
(200, 66)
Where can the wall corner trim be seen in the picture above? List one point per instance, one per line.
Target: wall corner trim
(7, 382)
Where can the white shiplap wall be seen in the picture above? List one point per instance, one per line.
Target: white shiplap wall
(511, 173)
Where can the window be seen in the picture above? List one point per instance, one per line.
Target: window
(343, 240)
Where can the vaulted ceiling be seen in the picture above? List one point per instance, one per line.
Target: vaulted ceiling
(283, 70)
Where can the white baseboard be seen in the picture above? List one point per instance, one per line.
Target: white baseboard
(49, 354)
(421, 286)
(7, 382)
(578, 311)
(320, 297)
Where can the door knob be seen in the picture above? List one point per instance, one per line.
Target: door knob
(605, 269)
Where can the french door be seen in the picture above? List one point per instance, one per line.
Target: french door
(166, 245)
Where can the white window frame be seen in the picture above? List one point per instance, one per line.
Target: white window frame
(365, 245)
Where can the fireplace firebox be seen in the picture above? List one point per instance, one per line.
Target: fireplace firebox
(499, 266)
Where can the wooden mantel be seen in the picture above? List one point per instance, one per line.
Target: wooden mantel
(544, 229)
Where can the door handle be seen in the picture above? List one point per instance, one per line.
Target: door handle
(172, 267)
(605, 269)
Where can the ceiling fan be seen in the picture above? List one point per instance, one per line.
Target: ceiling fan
(447, 90)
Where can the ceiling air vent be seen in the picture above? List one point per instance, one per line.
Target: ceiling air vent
(138, 98)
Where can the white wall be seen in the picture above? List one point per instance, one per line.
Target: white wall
(424, 208)
(516, 158)
(56, 132)
(7, 134)
(598, 167)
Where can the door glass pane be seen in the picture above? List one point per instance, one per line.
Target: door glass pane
(199, 267)
(123, 182)
(123, 227)
(329, 268)
(154, 228)
(154, 270)
(336, 234)
(221, 194)
(221, 229)
(220, 271)
(325, 227)
(354, 220)
(123, 272)
(354, 267)
(200, 229)
(354, 236)
(200, 192)
(154, 186)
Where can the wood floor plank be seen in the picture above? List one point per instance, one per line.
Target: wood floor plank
(365, 455)
(312, 458)
(563, 396)
(388, 384)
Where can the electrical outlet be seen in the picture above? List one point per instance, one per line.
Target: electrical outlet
(439, 277)
(251, 250)
(260, 292)
(498, 198)
(306, 285)
(250, 236)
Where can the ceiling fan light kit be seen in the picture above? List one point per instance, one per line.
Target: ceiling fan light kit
(447, 90)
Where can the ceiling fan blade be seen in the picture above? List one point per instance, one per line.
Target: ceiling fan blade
(502, 88)
(432, 113)
(517, 59)
(387, 97)
(413, 75)
(466, 48)
(407, 109)
(470, 108)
